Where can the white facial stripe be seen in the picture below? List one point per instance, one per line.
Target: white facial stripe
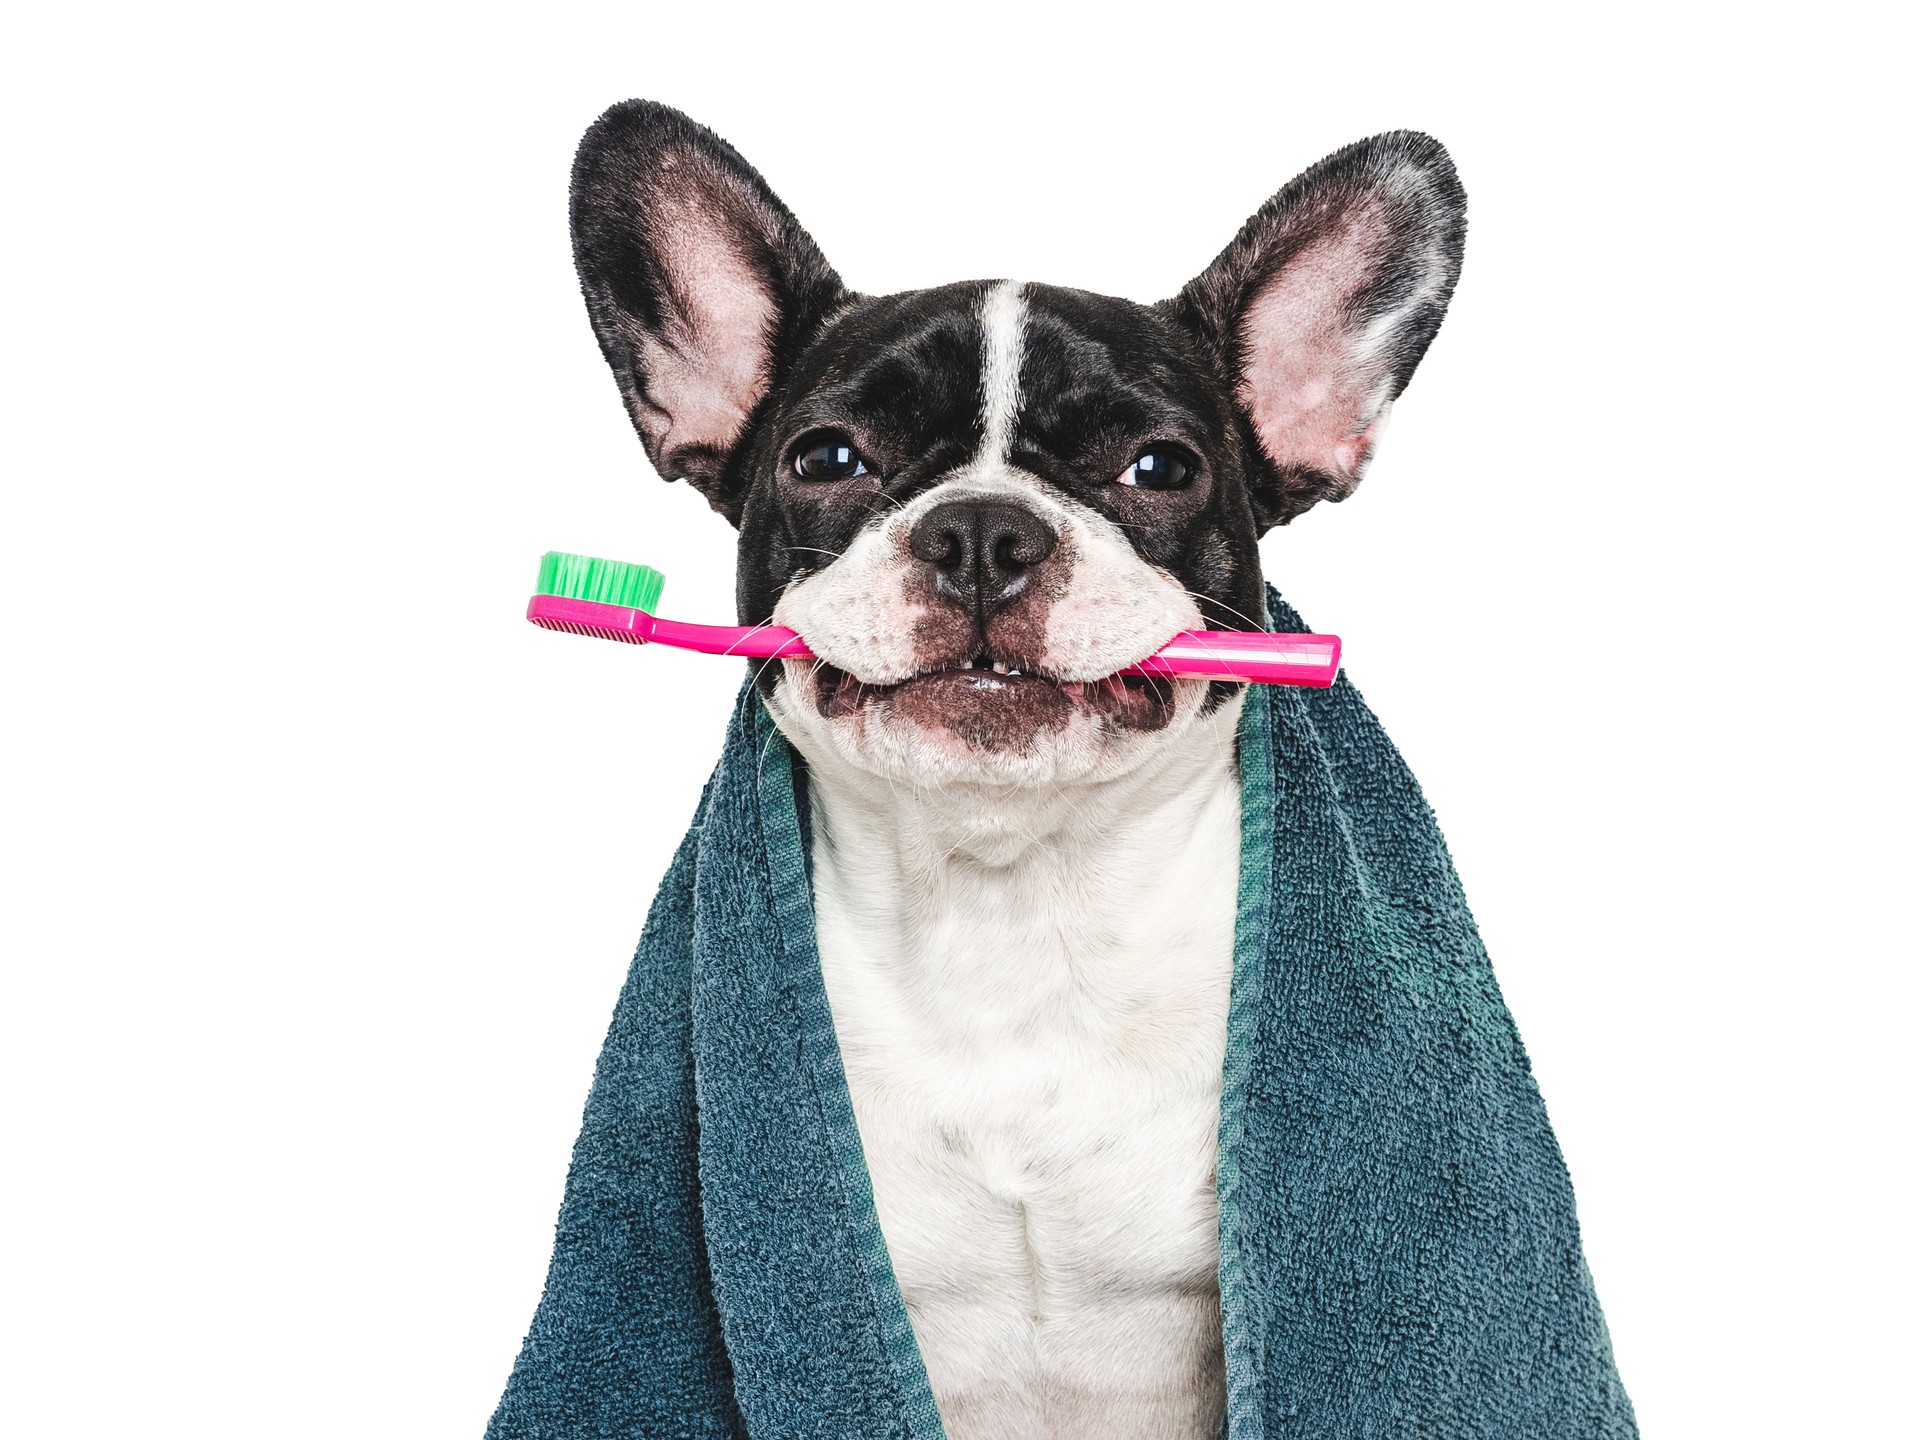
(1003, 325)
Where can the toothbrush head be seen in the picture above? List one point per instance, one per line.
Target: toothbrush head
(609, 599)
(605, 582)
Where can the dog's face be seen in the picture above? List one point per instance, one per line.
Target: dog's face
(986, 501)
(980, 503)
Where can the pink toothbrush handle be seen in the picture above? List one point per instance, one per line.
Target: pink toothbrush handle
(1253, 655)
(637, 627)
(1257, 655)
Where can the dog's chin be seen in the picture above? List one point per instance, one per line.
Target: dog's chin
(981, 724)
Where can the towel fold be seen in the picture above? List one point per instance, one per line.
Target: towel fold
(1398, 1250)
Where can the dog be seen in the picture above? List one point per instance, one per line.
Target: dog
(980, 503)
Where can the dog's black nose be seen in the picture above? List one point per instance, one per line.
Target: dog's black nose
(981, 550)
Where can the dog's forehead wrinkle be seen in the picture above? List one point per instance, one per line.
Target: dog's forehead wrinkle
(1076, 341)
(905, 368)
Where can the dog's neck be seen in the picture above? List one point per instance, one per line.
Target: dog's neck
(910, 837)
(1017, 860)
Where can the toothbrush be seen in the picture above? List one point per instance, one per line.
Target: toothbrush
(614, 600)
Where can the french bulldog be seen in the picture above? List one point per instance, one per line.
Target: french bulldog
(979, 503)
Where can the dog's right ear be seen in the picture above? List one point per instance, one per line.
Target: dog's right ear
(1322, 306)
(700, 284)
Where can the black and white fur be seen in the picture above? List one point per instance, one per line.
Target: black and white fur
(979, 503)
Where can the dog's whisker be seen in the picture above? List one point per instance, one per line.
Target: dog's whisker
(1214, 600)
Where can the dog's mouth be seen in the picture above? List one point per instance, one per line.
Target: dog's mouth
(1001, 693)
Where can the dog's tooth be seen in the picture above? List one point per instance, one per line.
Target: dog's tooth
(1000, 668)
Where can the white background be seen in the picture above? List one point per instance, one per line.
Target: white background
(323, 868)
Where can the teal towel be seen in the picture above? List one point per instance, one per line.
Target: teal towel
(1399, 1258)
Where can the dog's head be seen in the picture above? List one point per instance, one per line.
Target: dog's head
(979, 503)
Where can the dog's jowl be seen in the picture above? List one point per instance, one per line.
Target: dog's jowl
(979, 503)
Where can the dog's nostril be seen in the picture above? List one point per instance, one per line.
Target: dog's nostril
(944, 544)
(1023, 549)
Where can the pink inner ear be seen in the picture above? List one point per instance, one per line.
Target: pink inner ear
(711, 366)
(1305, 375)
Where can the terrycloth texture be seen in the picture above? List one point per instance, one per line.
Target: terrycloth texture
(1399, 1256)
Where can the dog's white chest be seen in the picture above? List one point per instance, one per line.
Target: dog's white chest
(1034, 1052)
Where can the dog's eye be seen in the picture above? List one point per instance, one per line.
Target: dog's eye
(1157, 469)
(828, 456)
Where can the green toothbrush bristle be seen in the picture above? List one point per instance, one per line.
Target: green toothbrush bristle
(610, 582)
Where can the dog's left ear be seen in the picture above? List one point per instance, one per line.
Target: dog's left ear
(1322, 306)
(700, 284)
